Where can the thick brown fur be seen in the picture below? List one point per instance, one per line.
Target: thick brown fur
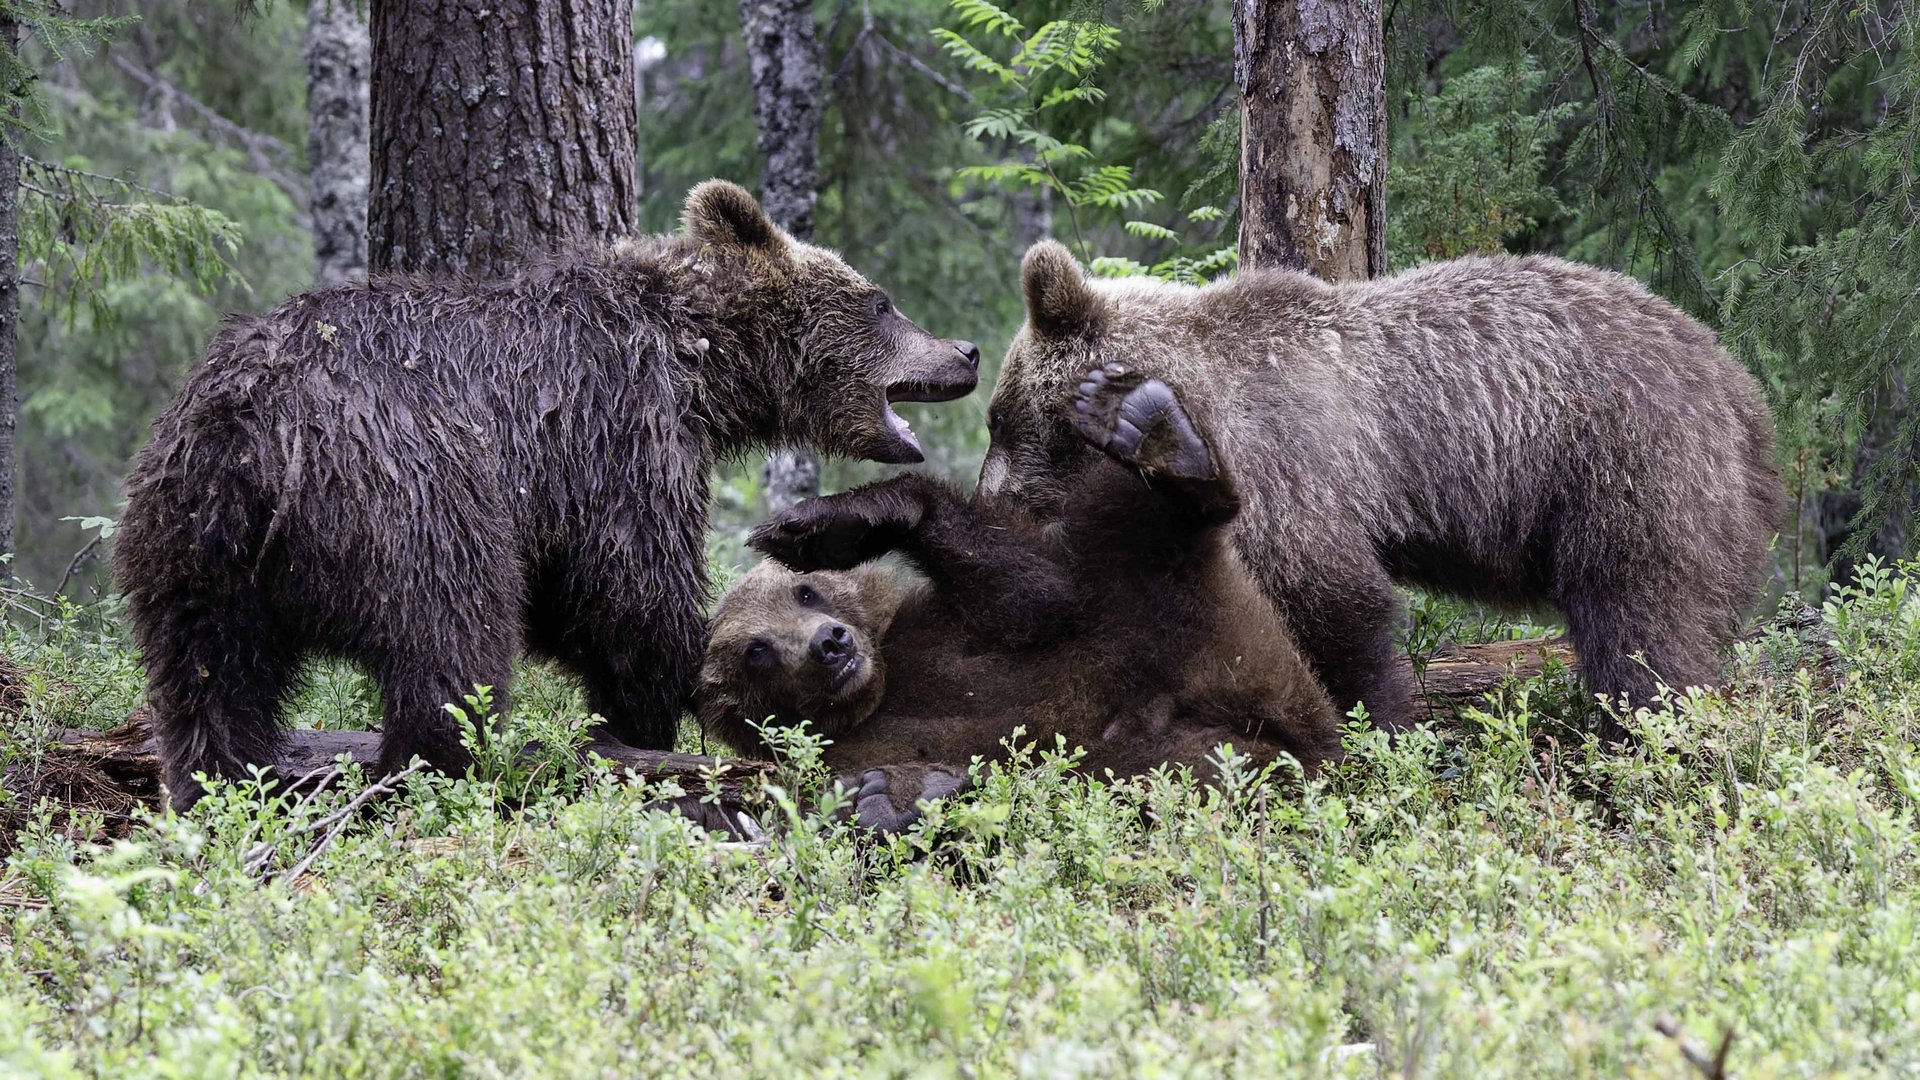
(1129, 626)
(1515, 430)
(427, 475)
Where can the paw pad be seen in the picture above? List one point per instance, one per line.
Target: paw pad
(1138, 420)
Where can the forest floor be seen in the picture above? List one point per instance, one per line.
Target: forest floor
(1734, 895)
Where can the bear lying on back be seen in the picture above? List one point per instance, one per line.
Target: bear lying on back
(1130, 628)
(427, 475)
(1511, 430)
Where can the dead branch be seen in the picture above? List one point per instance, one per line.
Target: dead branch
(1712, 1066)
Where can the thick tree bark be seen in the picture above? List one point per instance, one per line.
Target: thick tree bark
(1313, 162)
(499, 126)
(338, 53)
(783, 55)
(9, 310)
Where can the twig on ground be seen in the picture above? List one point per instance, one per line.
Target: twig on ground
(330, 827)
(1712, 1066)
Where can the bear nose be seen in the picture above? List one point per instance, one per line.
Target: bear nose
(969, 350)
(832, 644)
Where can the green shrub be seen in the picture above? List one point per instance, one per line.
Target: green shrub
(1502, 900)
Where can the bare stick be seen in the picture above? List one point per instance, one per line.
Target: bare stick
(1712, 1066)
(343, 817)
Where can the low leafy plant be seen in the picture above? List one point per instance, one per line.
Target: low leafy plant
(1502, 897)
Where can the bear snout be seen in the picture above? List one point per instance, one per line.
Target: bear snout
(832, 644)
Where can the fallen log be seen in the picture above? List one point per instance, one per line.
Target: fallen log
(128, 753)
(110, 773)
(119, 769)
(1460, 676)
(127, 757)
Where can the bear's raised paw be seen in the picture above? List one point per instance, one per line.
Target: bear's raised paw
(1139, 421)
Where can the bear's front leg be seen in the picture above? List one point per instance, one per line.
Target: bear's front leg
(1141, 423)
(839, 532)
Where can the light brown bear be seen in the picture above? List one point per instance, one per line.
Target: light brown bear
(1511, 430)
(1127, 625)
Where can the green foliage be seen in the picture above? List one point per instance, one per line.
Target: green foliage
(1469, 174)
(86, 233)
(1503, 900)
(52, 28)
(150, 205)
(1827, 297)
(1042, 71)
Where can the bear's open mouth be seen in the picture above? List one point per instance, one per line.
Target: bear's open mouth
(905, 443)
(844, 673)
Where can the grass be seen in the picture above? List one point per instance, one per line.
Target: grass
(1500, 899)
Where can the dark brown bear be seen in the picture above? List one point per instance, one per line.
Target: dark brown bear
(1511, 430)
(427, 475)
(1130, 627)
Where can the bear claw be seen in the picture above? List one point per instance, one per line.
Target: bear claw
(878, 798)
(811, 535)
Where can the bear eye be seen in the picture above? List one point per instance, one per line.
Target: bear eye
(996, 423)
(805, 595)
(881, 305)
(759, 654)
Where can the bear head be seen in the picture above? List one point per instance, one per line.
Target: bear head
(789, 646)
(1074, 324)
(851, 355)
(1033, 453)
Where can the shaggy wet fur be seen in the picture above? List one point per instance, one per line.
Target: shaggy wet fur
(1129, 627)
(428, 475)
(1511, 430)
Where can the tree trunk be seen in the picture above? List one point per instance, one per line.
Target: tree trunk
(337, 58)
(1313, 161)
(9, 306)
(1032, 209)
(499, 126)
(784, 60)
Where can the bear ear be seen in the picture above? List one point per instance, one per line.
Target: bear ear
(724, 214)
(1060, 304)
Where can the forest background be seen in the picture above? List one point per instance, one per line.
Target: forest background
(1752, 161)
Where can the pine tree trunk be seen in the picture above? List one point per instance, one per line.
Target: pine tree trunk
(9, 311)
(1313, 162)
(338, 53)
(783, 56)
(499, 126)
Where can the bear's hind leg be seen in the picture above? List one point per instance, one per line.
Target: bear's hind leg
(1632, 640)
(416, 686)
(1139, 421)
(216, 679)
(432, 652)
(637, 695)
